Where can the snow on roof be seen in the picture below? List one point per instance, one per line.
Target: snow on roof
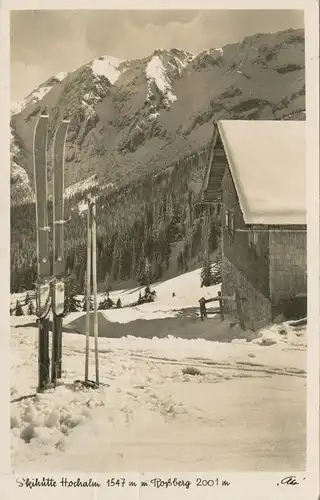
(268, 166)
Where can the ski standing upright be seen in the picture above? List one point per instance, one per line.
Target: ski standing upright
(43, 261)
(58, 258)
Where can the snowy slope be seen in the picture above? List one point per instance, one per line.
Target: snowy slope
(150, 395)
(162, 69)
(38, 94)
(186, 287)
(156, 73)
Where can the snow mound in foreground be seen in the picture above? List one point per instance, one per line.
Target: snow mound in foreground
(46, 419)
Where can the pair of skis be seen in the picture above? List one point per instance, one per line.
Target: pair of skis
(50, 282)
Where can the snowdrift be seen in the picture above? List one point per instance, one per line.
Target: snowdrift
(176, 327)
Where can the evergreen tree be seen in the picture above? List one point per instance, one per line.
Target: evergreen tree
(106, 303)
(19, 310)
(206, 275)
(110, 303)
(149, 296)
(216, 271)
(140, 301)
(119, 304)
(27, 299)
(145, 275)
(71, 303)
(31, 309)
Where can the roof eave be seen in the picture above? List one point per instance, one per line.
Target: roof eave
(208, 171)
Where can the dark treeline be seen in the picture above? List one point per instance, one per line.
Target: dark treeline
(137, 227)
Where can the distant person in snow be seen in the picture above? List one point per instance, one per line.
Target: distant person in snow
(173, 294)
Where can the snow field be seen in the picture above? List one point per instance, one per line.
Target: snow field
(130, 365)
(156, 72)
(107, 66)
(61, 76)
(147, 387)
(158, 391)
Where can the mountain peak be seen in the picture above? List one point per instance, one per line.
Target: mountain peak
(134, 116)
(107, 66)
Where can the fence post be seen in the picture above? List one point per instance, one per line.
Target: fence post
(221, 304)
(203, 312)
(239, 309)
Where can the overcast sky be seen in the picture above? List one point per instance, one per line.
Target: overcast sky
(44, 43)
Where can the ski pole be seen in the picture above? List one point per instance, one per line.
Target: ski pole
(94, 284)
(88, 291)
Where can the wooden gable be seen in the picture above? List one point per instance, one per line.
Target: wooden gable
(211, 189)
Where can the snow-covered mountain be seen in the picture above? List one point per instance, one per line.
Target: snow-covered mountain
(38, 94)
(133, 117)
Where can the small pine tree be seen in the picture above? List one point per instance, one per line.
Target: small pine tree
(119, 303)
(206, 275)
(149, 296)
(71, 303)
(216, 272)
(27, 299)
(19, 310)
(109, 302)
(31, 309)
(106, 303)
(140, 301)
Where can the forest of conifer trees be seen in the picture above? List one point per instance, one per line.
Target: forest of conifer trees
(136, 224)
